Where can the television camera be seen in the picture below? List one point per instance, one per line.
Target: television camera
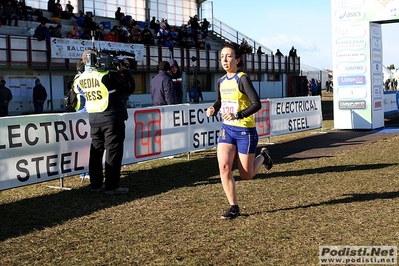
(103, 60)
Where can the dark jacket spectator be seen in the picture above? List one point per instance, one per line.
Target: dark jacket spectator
(56, 32)
(51, 7)
(42, 32)
(119, 14)
(204, 27)
(11, 14)
(39, 96)
(176, 75)
(162, 90)
(89, 21)
(183, 38)
(154, 25)
(98, 34)
(148, 38)
(195, 26)
(279, 53)
(5, 98)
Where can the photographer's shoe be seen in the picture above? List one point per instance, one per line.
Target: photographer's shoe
(119, 190)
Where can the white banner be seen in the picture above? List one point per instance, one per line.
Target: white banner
(73, 48)
(391, 102)
(290, 115)
(39, 148)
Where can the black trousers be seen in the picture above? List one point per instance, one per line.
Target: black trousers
(108, 139)
(3, 111)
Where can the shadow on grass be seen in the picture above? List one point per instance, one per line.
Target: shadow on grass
(30, 214)
(27, 215)
(327, 169)
(349, 198)
(323, 145)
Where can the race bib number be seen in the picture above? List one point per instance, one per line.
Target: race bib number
(229, 106)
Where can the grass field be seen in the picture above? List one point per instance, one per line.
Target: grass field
(171, 216)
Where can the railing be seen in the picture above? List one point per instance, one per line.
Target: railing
(226, 32)
(21, 52)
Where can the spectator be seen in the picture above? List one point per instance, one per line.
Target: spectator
(75, 33)
(125, 20)
(89, 21)
(41, 32)
(318, 82)
(39, 96)
(199, 89)
(22, 11)
(278, 53)
(148, 38)
(99, 33)
(51, 7)
(183, 38)
(118, 14)
(154, 25)
(200, 44)
(3, 19)
(5, 98)
(111, 36)
(58, 11)
(11, 14)
(40, 16)
(168, 42)
(81, 19)
(123, 34)
(165, 21)
(69, 11)
(292, 52)
(162, 90)
(204, 27)
(160, 41)
(136, 34)
(56, 32)
(174, 33)
(86, 35)
(259, 51)
(176, 75)
(313, 87)
(193, 23)
(328, 85)
(163, 32)
(207, 43)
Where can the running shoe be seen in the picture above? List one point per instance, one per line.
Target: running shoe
(231, 213)
(268, 162)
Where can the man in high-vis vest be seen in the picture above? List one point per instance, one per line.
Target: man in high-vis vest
(105, 96)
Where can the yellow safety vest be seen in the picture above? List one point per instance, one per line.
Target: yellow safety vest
(95, 93)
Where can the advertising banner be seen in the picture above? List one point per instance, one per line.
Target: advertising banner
(357, 61)
(39, 148)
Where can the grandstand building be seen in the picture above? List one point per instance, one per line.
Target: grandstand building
(23, 57)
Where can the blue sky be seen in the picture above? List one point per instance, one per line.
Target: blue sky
(306, 25)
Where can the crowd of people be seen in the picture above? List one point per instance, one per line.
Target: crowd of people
(391, 85)
(14, 10)
(194, 34)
